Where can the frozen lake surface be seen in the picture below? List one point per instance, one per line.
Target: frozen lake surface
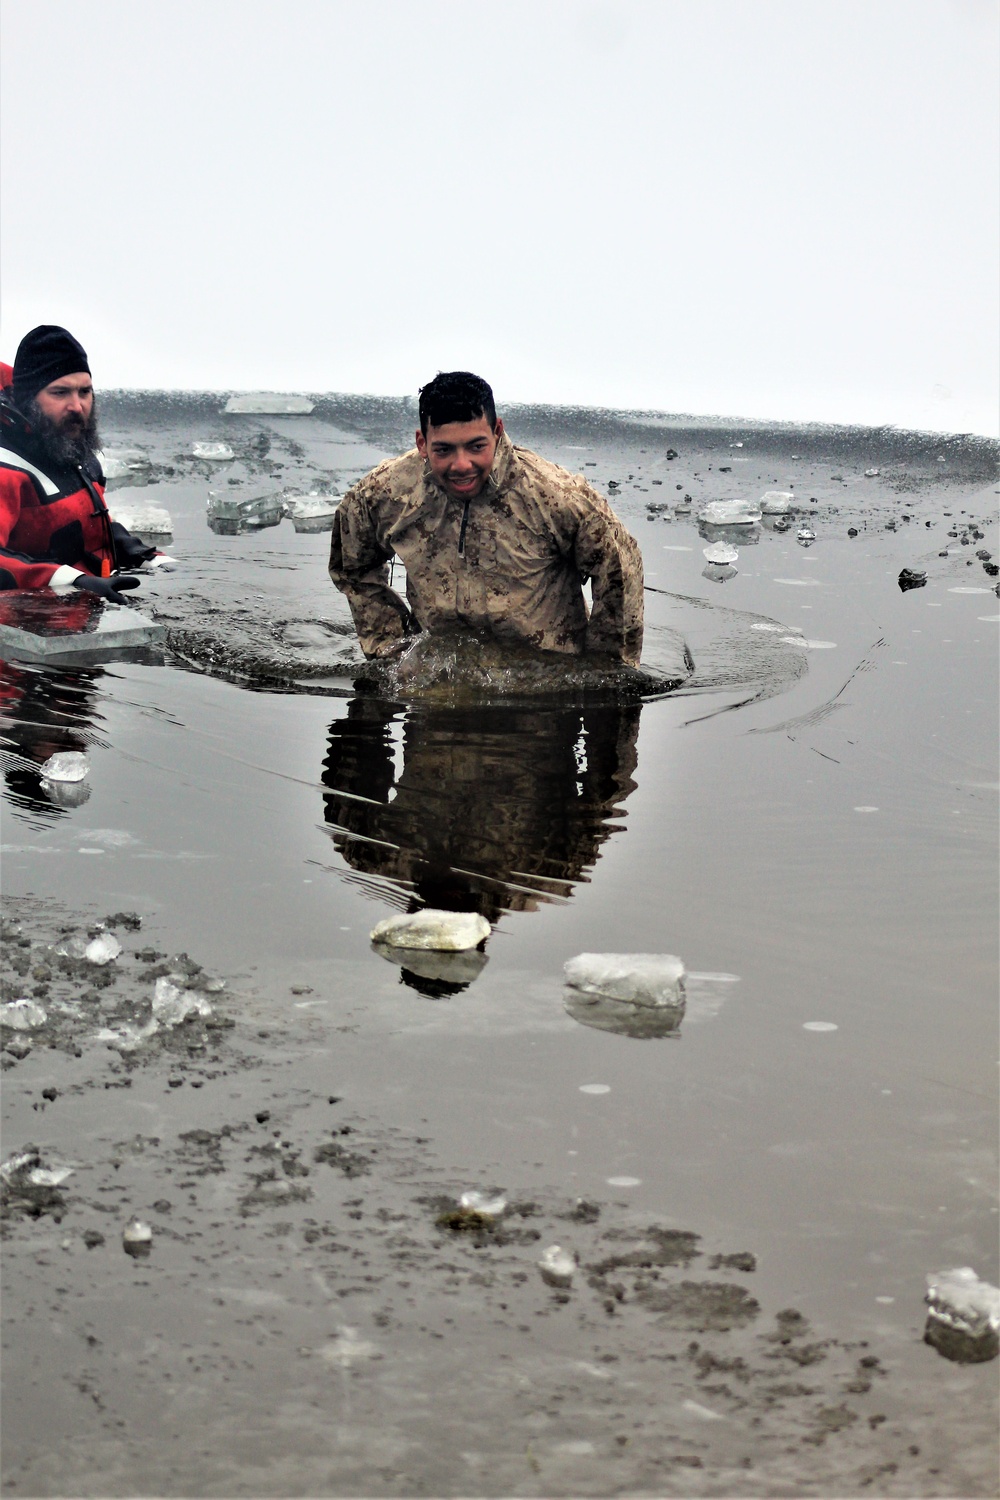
(754, 1189)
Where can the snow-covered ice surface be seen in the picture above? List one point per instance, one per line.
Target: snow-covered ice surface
(722, 1175)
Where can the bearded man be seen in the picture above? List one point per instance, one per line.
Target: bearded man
(494, 539)
(55, 531)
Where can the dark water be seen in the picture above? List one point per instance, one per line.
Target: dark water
(809, 822)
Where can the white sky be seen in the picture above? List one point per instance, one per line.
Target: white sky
(765, 208)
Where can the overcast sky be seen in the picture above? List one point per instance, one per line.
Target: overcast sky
(766, 208)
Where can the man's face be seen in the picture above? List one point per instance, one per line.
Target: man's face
(64, 418)
(68, 402)
(461, 455)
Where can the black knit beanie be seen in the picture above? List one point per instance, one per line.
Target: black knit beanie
(43, 355)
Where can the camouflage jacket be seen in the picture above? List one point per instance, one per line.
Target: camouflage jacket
(514, 566)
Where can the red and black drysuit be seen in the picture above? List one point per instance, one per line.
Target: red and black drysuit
(54, 524)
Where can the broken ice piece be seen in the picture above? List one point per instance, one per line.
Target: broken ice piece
(445, 931)
(16, 1165)
(172, 1005)
(102, 949)
(476, 1202)
(71, 947)
(269, 404)
(640, 978)
(22, 1015)
(963, 1317)
(143, 519)
(557, 1266)
(776, 502)
(720, 552)
(127, 1038)
(871, 473)
(66, 765)
(216, 453)
(137, 1237)
(312, 512)
(805, 534)
(49, 1177)
(730, 513)
(117, 463)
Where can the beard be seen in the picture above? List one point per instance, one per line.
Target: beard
(71, 441)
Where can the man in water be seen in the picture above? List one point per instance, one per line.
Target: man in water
(55, 531)
(493, 539)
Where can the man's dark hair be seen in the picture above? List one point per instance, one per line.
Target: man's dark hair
(455, 396)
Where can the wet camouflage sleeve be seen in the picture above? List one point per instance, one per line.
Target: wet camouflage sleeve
(359, 566)
(606, 553)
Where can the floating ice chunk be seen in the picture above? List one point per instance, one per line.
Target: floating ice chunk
(476, 1202)
(871, 473)
(144, 519)
(268, 404)
(66, 765)
(50, 1176)
(704, 1412)
(102, 949)
(71, 947)
(557, 1266)
(19, 1163)
(228, 515)
(623, 1181)
(128, 1038)
(216, 453)
(22, 1015)
(444, 931)
(310, 505)
(137, 1237)
(120, 463)
(720, 552)
(819, 1026)
(963, 1318)
(777, 502)
(640, 978)
(595, 1088)
(805, 534)
(730, 512)
(171, 1005)
(312, 512)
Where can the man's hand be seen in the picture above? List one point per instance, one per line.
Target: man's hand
(106, 588)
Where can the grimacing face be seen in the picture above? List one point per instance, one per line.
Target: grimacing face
(461, 455)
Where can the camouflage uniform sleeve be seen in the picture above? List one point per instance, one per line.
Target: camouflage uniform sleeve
(359, 566)
(606, 553)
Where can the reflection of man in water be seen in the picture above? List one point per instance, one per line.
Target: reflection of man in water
(43, 712)
(493, 538)
(495, 809)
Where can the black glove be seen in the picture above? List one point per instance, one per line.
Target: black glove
(128, 548)
(107, 588)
